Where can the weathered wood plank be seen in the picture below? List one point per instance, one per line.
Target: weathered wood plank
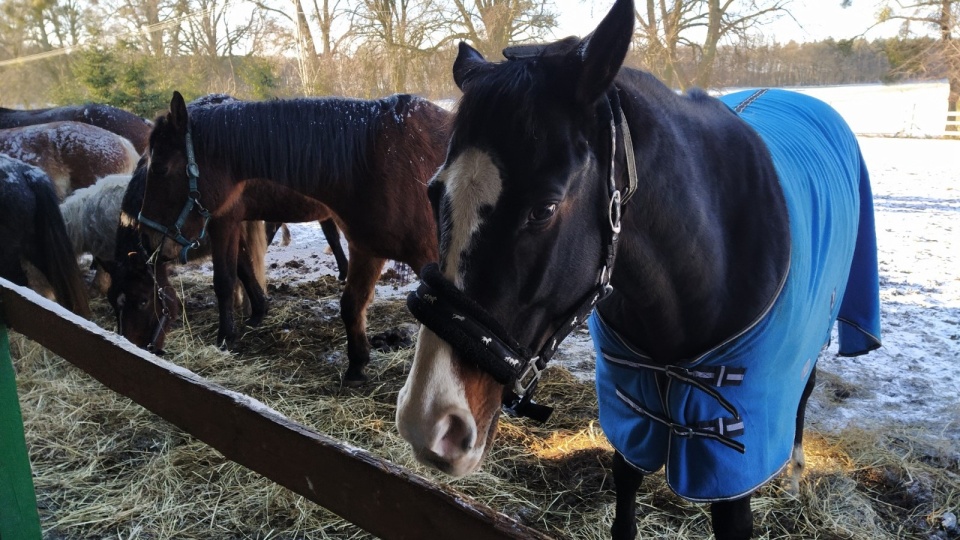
(370, 492)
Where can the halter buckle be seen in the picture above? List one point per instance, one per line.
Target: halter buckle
(615, 211)
(528, 378)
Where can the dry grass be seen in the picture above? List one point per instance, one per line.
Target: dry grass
(105, 468)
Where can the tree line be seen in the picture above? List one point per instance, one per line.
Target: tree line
(132, 53)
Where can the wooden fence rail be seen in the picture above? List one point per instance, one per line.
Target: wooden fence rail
(372, 493)
(953, 120)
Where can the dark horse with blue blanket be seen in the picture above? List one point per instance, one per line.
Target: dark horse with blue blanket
(718, 240)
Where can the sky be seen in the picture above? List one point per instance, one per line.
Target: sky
(813, 20)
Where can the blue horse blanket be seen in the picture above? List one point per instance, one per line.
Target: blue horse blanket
(723, 424)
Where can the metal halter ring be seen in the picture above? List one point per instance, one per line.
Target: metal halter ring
(529, 377)
(614, 212)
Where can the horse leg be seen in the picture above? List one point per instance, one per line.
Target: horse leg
(798, 462)
(332, 235)
(357, 294)
(732, 520)
(247, 271)
(224, 240)
(626, 480)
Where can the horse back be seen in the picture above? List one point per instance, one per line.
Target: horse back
(73, 154)
(123, 123)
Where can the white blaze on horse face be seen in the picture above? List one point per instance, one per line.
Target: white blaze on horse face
(433, 414)
(472, 181)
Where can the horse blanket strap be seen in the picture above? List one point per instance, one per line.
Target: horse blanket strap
(721, 429)
(723, 423)
(193, 200)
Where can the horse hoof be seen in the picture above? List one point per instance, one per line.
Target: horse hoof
(255, 320)
(355, 381)
(394, 339)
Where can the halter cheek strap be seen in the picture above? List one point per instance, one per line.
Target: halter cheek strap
(193, 200)
(475, 335)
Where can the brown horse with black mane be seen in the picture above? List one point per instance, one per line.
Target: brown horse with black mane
(144, 300)
(123, 123)
(368, 161)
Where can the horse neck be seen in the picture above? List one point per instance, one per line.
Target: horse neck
(701, 252)
(317, 149)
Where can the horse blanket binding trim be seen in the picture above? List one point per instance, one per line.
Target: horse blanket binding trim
(723, 424)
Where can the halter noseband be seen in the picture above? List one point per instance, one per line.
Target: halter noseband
(446, 310)
(193, 199)
(164, 313)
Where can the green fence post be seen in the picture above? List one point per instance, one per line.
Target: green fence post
(18, 501)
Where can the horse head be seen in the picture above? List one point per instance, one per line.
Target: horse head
(174, 212)
(524, 205)
(143, 300)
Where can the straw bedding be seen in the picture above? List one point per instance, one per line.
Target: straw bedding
(106, 468)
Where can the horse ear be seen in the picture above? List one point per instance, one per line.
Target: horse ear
(468, 62)
(601, 53)
(178, 113)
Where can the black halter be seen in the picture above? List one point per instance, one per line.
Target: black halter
(469, 329)
(165, 314)
(193, 199)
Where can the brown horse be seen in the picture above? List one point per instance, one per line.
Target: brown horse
(74, 155)
(119, 121)
(145, 302)
(368, 161)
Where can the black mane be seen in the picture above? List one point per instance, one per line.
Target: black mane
(293, 142)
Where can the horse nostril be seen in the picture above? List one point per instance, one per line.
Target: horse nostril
(457, 436)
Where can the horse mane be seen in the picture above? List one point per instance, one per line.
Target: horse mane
(297, 142)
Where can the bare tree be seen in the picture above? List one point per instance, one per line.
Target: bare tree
(400, 31)
(49, 24)
(943, 17)
(148, 19)
(667, 26)
(491, 25)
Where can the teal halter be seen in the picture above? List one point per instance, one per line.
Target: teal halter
(193, 200)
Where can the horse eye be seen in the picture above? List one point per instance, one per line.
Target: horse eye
(543, 213)
(142, 305)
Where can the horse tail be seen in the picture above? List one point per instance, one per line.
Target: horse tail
(253, 239)
(257, 248)
(57, 259)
